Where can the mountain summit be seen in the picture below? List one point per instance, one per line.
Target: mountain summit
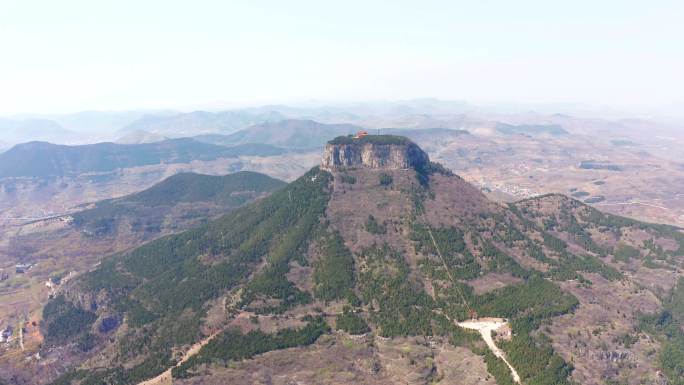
(374, 151)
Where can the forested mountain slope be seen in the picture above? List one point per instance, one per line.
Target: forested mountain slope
(391, 258)
(175, 200)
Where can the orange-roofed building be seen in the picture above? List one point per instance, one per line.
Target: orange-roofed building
(360, 134)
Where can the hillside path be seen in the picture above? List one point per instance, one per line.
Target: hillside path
(165, 377)
(482, 325)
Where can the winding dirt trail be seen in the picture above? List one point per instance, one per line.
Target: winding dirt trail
(485, 327)
(165, 377)
(21, 336)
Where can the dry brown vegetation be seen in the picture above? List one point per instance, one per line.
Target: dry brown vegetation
(341, 359)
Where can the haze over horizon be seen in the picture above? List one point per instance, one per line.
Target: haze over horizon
(77, 55)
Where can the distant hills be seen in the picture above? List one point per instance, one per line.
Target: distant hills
(14, 131)
(145, 211)
(93, 121)
(41, 159)
(141, 147)
(199, 122)
(309, 134)
(421, 134)
(96, 126)
(291, 133)
(140, 136)
(134, 127)
(531, 129)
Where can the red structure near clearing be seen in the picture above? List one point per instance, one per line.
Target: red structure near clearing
(360, 134)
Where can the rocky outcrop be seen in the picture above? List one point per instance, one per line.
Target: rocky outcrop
(363, 153)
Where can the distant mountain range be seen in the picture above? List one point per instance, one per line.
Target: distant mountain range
(293, 133)
(140, 136)
(141, 126)
(199, 122)
(309, 134)
(531, 129)
(41, 159)
(15, 131)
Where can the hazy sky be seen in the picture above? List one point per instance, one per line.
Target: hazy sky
(70, 55)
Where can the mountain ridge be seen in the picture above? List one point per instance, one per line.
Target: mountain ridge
(303, 134)
(43, 159)
(147, 209)
(198, 122)
(289, 133)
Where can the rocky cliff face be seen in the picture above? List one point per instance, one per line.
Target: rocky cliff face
(366, 154)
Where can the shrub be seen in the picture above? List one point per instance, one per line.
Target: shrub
(351, 322)
(385, 179)
(373, 227)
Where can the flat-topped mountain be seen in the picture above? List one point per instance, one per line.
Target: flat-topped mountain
(382, 245)
(374, 151)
